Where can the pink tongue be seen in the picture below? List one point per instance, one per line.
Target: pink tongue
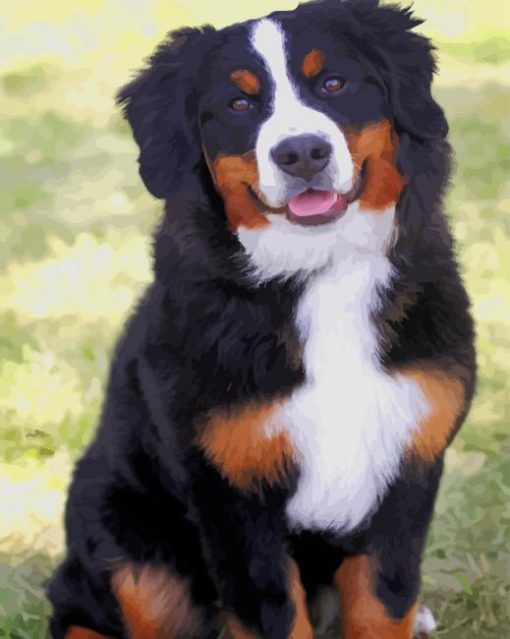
(312, 203)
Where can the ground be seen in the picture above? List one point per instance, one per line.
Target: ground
(74, 232)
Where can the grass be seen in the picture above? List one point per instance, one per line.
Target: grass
(75, 233)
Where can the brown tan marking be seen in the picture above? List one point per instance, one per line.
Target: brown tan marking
(376, 146)
(236, 630)
(154, 604)
(78, 632)
(233, 175)
(363, 615)
(246, 81)
(301, 627)
(446, 395)
(236, 443)
(313, 63)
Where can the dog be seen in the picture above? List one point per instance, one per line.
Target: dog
(280, 402)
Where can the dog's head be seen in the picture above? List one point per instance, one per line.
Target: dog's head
(301, 118)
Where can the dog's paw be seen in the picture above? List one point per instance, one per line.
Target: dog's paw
(324, 611)
(424, 624)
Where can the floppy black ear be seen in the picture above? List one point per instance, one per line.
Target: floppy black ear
(412, 67)
(160, 105)
(406, 62)
(415, 110)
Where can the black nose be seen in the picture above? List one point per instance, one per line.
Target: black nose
(302, 156)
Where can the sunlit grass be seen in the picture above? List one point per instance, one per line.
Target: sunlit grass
(75, 254)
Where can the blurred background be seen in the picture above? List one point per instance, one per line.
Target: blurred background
(75, 228)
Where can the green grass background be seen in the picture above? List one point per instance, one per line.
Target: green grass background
(75, 225)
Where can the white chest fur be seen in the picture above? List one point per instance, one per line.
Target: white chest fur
(350, 422)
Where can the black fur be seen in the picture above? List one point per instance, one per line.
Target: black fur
(205, 337)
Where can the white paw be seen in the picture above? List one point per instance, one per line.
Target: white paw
(424, 624)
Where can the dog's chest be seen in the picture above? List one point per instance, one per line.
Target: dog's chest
(350, 422)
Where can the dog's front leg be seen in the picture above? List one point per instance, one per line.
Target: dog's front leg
(295, 603)
(243, 532)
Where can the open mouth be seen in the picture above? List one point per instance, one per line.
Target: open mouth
(312, 207)
(315, 207)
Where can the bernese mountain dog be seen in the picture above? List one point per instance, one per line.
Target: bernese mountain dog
(280, 403)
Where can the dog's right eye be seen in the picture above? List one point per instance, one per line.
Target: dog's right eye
(333, 84)
(240, 104)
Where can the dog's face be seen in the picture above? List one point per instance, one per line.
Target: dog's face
(299, 118)
(283, 116)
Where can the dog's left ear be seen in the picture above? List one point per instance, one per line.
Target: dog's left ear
(412, 66)
(415, 110)
(161, 106)
(405, 60)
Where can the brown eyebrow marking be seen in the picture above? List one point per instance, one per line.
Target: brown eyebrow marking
(246, 81)
(313, 63)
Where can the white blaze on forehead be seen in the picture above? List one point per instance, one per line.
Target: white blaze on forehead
(291, 117)
(269, 42)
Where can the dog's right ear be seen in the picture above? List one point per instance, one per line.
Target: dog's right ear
(160, 104)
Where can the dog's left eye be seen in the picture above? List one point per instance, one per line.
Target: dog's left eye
(240, 104)
(333, 84)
